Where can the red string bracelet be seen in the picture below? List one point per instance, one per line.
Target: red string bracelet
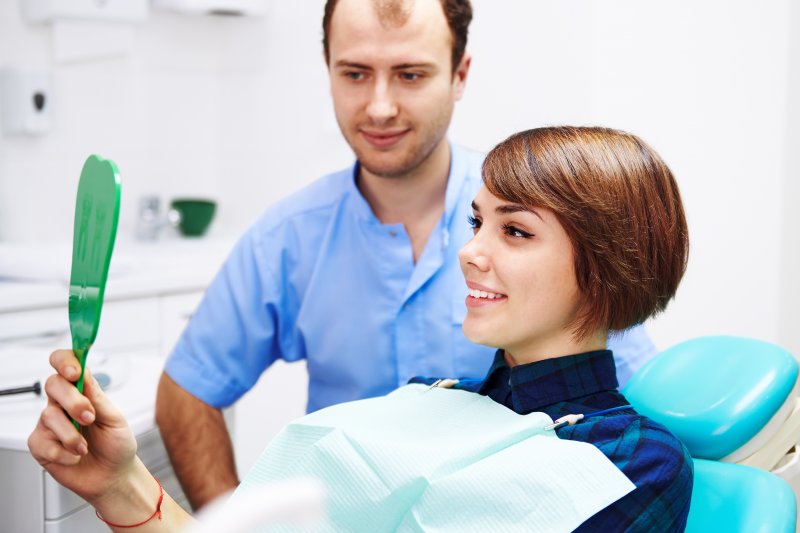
(157, 512)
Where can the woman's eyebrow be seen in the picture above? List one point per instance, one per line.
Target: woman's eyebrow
(508, 209)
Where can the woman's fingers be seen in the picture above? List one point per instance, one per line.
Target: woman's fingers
(67, 397)
(86, 407)
(47, 449)
(66, 364)
(62, 429)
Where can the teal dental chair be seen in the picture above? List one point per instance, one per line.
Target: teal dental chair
(734, 403)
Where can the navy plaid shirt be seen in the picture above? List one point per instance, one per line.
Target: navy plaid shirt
(645, 451)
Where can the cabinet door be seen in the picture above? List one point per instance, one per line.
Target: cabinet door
(124, 325)
(128, 325)
(176, 310)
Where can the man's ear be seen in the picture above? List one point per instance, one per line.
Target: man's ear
(460, 75)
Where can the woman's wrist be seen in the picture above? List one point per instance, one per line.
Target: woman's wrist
(134, 498)
(131, 498)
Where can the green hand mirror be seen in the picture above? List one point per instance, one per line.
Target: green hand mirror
(96, 215)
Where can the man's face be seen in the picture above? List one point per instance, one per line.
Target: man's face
(392, 83)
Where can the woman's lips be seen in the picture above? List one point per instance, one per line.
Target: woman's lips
(383, 140)
(480, 296)
(472, 301)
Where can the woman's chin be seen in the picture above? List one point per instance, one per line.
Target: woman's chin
(480, 335)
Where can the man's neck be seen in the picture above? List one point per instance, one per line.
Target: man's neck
(415, 200)
(400, 199)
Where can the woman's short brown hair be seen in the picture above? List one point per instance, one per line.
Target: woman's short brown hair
(620, 206)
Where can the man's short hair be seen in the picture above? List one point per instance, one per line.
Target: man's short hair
(457, 12)
(619, 204)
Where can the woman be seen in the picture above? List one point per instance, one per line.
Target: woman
(578, 232)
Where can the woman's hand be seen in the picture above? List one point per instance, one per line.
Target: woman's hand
(92, 462)
(99, 463)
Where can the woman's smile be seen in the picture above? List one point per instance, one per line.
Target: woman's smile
(480, 295)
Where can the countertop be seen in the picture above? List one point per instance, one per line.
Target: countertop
(133, 389)
(39, 277)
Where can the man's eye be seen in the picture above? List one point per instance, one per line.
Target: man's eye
(410, 76)
(513, 231)
(355, 76)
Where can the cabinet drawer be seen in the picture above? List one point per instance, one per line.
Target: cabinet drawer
(42, 327)
(126, 324)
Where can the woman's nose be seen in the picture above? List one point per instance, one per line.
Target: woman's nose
(474, 255)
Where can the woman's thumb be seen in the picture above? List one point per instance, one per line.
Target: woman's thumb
(105, 411)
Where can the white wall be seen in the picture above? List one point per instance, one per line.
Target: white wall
(239, 109)
(705, 83)
(788, 315)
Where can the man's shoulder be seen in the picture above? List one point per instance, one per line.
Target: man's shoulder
(470, 160)
(466, 171)
(316, 200)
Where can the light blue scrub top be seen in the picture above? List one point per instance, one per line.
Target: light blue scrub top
(319, 277)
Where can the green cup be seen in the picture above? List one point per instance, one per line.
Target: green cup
(195, 215)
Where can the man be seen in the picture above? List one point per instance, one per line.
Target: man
(357, 273)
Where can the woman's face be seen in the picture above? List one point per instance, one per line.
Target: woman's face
(521, 278)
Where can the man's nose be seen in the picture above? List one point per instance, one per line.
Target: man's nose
(382, 106)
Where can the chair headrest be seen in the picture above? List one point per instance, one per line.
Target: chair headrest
(714, 393)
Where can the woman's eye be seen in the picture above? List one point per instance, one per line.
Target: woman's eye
(513, 231)
(474, 223)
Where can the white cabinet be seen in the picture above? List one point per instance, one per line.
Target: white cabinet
(152, 321)
(174, 311)
(144, 313)
(130, 347)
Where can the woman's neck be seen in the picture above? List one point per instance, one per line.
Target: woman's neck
(564, 347)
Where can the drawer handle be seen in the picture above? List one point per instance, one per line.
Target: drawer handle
(39, 338)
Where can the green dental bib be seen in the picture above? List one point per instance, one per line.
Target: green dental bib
(425, 459)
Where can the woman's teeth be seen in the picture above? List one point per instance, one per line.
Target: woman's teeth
(483, 294)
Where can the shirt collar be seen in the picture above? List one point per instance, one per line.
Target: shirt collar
(359, 204)
(455, 182)
(533, 386)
